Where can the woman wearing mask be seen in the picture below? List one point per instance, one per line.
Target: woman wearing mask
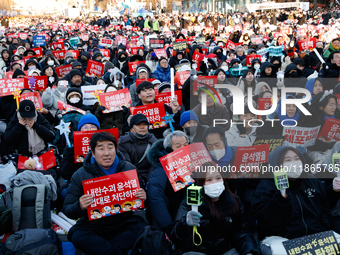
(224, 66)
(52, 77)
(4, 62)
(300, 210)
(50, 61)
(50, 97)
(219, 220)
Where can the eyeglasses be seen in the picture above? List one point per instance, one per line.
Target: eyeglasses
(89, 127)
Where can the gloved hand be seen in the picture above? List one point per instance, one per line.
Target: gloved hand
(325, 67)
(101, 109)
(70, 154)
(242, 129)
(336, 184)
(193, 218)
(125, 109)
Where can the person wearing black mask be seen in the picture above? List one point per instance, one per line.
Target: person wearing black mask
(84, 58)
(190, 124)
(136, 144)
(276, 61)
(120, 60)
(292, 71)
(219, 53)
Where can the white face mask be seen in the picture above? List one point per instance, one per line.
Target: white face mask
(74, 100)
(214, 190)
(50, 62)
(217, 154)
(85, 48)
(257, 67)
(51, 79)
(62, 88)
(293, 169)
(32, 68)
(224, 68)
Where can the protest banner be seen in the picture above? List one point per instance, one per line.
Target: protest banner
(275, 51)
(179, 66)
(9, 75)
(330, 131)
(135, 29)
(165, 97)
(115, 100)
(63, 70)
(230, 45)
(46, 161)
(65, 108)
(272, 140)
(23, 36)
(36, 83)
(179, 165)
(117, 27)
(154, 113)
(263, 104)
(133, 66)
(181, 77)
(81, 141)
(56, 45)
(287, 30)
(139, 81)
(121, 40)
(85, 37)
(134, 50)
(38, 52)
(248, 160)
(256, 39)
(94, 68)
(250, 58)
(160, 53)
(58, 54)
(202, 81)
(105, 52)
(196, 56)
(309, 43)
(39, 41)
(106, 42)
(75, 53)
(156, 43)
(179, 46)
(74, 41)
(304, 136)
(324, 243)
(88, 91)
(113, 194)
(34, 97)
(200, 40)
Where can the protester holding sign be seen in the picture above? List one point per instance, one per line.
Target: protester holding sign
(104, 235)
(28, 132)
(220, 218)
(163, 201)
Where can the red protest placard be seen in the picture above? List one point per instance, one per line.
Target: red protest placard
(105, 52)
(75, 53)
(47, 161)
(121, 40)
(26, 58)
(248, 160)
(114, 100)
(117, 27)
(251, 57)
(179, 165)
(238, 27)
(204, 81)
(160, 53)
(263, 104)
(38, 52)
(196, 56)
(81, 141)
(209, 30)
(302, 31)
(85, 37)
(287, 30)
(23, 36)
(106, 42)
(40, 83)
(34, 97)
(309, 43)
(133, 66)
(181, 77)
(165, 97)
(94, 68)
(330, 131)
(63, 70)
(8, 86)
(154, 113)
(230, 45)
(58, 54)
(56, 45)
(135, 29)
(134, 50)
(113, 194)
(9, 75)
(65, 108)
(139, 81)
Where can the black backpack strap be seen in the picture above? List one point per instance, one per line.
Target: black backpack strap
(139, 241)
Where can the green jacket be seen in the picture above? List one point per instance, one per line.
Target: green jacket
(329, 51)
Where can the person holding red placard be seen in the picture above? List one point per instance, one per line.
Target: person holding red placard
(109, 235)
(163, 201)
(220, 219)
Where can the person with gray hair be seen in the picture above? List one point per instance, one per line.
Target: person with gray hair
(163, 201)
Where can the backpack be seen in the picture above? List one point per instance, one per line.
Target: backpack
(32, 241)
(151, 242)
(30, 207)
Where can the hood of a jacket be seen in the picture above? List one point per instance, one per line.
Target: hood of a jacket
(273, 157)
(156, 152)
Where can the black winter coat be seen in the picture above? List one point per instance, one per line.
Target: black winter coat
(107, 225)
(16, 135)
(304, 212)
(133, 150)
(232, 232)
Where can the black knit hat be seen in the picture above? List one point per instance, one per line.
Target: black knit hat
(138, 118)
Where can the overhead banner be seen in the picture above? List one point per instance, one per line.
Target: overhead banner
(273, 5)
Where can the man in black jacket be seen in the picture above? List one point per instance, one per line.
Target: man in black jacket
(109, 235)
(135, 145)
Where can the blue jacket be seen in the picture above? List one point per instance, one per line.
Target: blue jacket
(163, 201)
(162, 75)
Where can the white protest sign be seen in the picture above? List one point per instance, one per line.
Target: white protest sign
(304, 136)
(88, 98)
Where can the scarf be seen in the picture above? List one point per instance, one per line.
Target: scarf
(35, 143)
(111, 170)
(224, 161)
(325, 117)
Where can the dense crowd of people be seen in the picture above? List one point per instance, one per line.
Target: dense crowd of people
(262, 51)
